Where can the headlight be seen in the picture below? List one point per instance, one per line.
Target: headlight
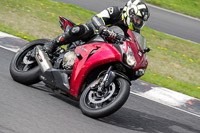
(129, 57)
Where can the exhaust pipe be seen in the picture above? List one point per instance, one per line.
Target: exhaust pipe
(42, 59)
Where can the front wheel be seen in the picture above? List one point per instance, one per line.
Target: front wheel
(97, 104)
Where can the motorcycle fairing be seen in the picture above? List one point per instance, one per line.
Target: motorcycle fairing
(103, 53)
(57, 78)
(141, 60)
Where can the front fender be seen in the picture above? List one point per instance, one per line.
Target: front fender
(118, 74)
(93, 55)
(113, 74)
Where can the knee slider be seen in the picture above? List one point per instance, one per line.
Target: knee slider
(77, 30)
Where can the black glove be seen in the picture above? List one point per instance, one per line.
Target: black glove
(108, 34)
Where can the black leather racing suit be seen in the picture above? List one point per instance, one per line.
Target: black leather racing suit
(111, 16)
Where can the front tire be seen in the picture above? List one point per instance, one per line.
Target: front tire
(96, 106)
(24, 68)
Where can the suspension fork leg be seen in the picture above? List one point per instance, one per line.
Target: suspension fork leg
(108, 78)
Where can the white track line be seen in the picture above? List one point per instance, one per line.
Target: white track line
(10, 49)
(165, 104)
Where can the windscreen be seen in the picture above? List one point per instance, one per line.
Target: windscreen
(141, 40)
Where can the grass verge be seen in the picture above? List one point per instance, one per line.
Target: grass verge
(188, 7)
(173, 63)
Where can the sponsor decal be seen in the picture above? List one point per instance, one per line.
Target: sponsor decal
(83, 49)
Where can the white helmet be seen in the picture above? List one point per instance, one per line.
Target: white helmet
(135, 14)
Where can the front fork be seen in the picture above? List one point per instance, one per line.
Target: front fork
(107, 80)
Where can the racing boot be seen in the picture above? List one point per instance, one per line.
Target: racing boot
(51, 46)
(75, 33)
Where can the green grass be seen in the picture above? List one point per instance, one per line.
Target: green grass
(188, 7)
(171, 83)
(173, 63)
(39, 18)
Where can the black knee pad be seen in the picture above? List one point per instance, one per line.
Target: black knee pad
(81, 32)
(77, 30)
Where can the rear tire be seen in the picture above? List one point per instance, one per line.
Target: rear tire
(93, 108)
(26, 73)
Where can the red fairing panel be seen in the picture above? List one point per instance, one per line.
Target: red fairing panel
(106, 53)
(141, 60)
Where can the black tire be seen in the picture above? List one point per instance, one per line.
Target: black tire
(31, 75)
(123, 91)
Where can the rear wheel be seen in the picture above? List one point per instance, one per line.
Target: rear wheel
(97, 104)
(23, 67)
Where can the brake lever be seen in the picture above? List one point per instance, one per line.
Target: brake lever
(120, 39)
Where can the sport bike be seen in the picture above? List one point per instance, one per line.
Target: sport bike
(96, 73)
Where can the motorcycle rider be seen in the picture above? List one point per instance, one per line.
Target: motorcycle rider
(133, 16)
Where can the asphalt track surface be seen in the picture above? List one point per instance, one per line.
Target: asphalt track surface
(165, 21)
(35, 109)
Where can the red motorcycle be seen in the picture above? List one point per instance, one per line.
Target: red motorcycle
(96, 73)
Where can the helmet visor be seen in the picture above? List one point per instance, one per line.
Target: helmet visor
(137, 21)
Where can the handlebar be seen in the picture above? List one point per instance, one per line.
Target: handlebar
(112, 36)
